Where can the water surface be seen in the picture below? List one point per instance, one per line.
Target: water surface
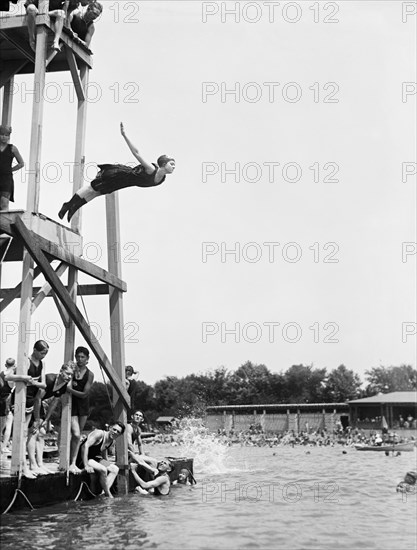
(246, 497)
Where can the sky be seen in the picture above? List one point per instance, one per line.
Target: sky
(286, 234)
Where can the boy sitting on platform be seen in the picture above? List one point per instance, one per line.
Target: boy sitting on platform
(57, 11)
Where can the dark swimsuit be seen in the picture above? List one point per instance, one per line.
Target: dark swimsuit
(6, 175)
(5, 391)
(80, 407)
(94, 452)
(113, 177)
(156, 490)
(50, 392)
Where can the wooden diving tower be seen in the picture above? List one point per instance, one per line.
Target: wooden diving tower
(35, 240)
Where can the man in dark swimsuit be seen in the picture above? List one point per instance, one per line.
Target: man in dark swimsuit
(34, 383)
(160, 485)
(8, 153)
(82, 20)
(113, 177)
(133, 436)
(93, 456)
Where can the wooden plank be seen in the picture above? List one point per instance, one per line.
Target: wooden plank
(35, 251)
(89, 268)
(79, 89)
(82, 290)
(19, 21)
(57, 251)
(117, 331)
(44, 227)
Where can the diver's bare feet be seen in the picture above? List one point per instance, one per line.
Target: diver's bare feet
(74, 469)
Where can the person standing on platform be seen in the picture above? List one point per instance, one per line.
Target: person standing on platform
(34, 382)
(79, 388)
(112, 177)
(8, 153)
(6, 415)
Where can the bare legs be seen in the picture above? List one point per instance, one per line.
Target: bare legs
(57, 16)
(6, 423)
(106, 475)
(77, 426)
(4, 202)
(35, 446)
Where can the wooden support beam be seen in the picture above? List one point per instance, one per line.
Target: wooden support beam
(83, 55)
(60, 253)
(66, 321)
(37, 122)
(50, 57)
(12, 293)
(35, 251)
(4, 246)
(82, 82)
(82, 290)
(117, 331)
(79, 89)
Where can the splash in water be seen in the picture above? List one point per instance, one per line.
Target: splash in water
(211, 456)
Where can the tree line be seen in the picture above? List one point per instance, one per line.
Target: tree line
(251, 384)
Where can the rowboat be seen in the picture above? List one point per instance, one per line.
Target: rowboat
(404, 447)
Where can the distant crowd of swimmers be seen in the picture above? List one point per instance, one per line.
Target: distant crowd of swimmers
(258, 438)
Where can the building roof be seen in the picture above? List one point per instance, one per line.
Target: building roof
(291, 406)
(163, 419)
(392, 397)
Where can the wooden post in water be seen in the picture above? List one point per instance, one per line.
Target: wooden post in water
(117, 332)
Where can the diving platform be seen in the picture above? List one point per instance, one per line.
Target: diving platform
(17, 57)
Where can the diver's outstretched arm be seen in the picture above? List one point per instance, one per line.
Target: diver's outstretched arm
(135, 152)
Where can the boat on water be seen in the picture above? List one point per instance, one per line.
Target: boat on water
(403, 447)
